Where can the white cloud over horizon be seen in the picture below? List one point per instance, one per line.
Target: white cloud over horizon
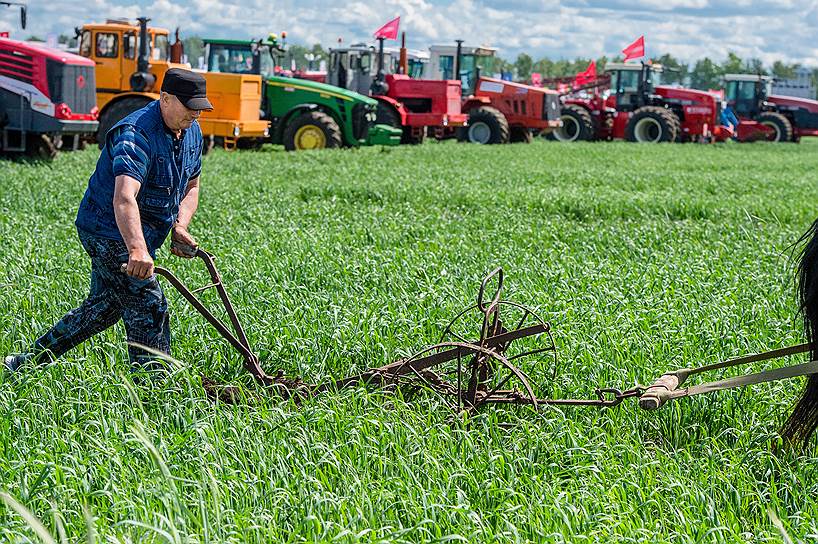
(688, 29)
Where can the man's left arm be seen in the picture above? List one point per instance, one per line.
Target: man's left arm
(187, 208)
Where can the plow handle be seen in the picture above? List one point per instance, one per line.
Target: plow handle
(659, 392)
(495, 300)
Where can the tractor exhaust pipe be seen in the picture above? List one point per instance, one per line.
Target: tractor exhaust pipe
(457, 59)
(379, 86)
(142, 80)
(403, 64)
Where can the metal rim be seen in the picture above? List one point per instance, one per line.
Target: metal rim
(479, 133)
(569, 131)
(448, 385)
(773, 125)
(648, 130)
(310, 137)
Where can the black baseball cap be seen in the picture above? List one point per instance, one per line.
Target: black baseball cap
(189, 87)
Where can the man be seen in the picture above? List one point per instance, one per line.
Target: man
(146, 184)
(729, 119)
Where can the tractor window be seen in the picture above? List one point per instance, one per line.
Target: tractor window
(468, 73)
(85, 43)
(161, 47)
(747, 90)
(129, 45)
(232, 59)
(366, 63)
(415, 69)
(267, 64)
(731, 93)
(628, 81)
(107, 43)
(447, 66)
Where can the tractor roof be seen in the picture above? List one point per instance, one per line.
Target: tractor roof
(229, 42)
(122, 25)
(480, 51)
(632, 66)
(747, 77)
(39, 49)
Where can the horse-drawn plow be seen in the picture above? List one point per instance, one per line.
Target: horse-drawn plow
(479, 359)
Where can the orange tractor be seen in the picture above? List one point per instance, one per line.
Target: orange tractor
(131, 61)
(499, 111)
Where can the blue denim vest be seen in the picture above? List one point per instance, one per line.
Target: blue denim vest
(162, 190)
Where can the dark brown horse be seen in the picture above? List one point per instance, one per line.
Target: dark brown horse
(804, 418)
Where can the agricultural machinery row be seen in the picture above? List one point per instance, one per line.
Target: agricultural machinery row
(629, 102)
(51, 99)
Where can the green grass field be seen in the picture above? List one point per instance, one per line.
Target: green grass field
(643, 258)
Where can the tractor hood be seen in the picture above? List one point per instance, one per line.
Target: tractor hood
(794, 102)
(320, 88)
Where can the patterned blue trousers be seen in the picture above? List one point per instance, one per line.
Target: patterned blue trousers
(114, 295)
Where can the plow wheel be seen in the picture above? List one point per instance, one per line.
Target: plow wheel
(478, 376)
(478, 359)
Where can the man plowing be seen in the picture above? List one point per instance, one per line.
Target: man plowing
(146, 184)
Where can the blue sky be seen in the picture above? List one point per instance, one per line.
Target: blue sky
(689, 29)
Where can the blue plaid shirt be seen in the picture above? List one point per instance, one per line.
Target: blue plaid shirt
(142, 147)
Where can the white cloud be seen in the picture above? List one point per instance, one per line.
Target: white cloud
(688, 29)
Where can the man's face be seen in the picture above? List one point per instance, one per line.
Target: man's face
(176, 115)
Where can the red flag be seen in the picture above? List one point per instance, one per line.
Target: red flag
(389, 30)
(635, 50)
(587, 76)
(536, 79)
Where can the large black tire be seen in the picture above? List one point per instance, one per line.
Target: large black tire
(386, 114)
(520, 135)
(577, 125)
(312, 130)
(781, 125)
(117, 112)
(487, 125)
(410, 137)
(652, 124)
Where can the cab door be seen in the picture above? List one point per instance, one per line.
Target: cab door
(104, 47)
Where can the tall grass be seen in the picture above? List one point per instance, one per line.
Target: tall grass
(643, 258)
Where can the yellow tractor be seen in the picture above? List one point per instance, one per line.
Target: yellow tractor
(131, 60)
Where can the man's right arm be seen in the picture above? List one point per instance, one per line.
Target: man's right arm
(131, 156)
(126, 211)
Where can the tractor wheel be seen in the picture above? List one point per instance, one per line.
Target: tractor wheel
(385, 114)
(782, 128)
(312, 130)
(410, 137)
(652, 124)
(117, 112)
(520, 135)
(577, 125)
(487, 125)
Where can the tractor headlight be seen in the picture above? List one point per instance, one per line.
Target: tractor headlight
(371, 117)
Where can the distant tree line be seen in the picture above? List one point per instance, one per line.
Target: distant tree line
(705, 73)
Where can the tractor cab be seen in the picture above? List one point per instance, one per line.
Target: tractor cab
(474, 62)
(131, 62)
(747, 93)
(633, 85)
(356, 67)
(259, 57)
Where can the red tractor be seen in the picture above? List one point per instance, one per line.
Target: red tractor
(764, 116)
(628, 102)
(47, 97)
(415, 105)
(499, 111)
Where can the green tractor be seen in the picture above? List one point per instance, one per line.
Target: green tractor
(303, 114)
